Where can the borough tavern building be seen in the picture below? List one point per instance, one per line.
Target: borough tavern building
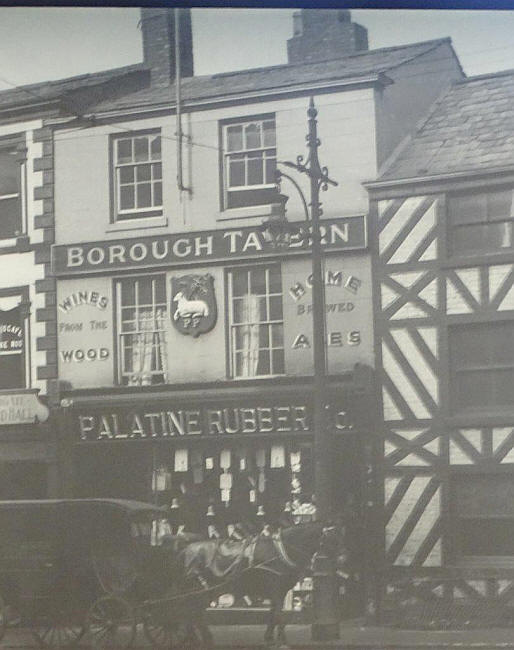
(182, 340)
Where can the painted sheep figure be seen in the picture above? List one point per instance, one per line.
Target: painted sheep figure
(189, 308)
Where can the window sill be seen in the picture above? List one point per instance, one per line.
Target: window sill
(250, 212)
(138, 223)
(478, 259)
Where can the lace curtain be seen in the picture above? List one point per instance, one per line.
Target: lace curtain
(149, 355)
(250, 336)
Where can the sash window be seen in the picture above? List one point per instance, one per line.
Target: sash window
(256, 322)
(142, 322)
(11, 168)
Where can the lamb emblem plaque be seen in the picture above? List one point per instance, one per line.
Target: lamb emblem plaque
(193, 304)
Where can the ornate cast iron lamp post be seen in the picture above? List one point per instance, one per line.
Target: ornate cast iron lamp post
(325, 624)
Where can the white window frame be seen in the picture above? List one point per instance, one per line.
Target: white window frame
(152, 210)
(227, 155)
(269, 322)
(123, 374)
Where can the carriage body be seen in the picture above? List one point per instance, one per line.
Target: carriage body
(58, 557)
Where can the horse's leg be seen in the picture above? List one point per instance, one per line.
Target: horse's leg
(205, 633)
(269, 635)
(280, 619)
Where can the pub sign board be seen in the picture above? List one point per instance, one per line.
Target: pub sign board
(344, 233)
(188, 421)
(11, 331)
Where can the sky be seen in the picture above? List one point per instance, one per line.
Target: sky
(43, 43)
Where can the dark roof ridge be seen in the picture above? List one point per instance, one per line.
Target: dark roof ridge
(486, 75)
(111, 72)
(391, 48)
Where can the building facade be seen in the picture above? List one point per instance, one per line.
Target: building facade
(443, 268)
(178, 341)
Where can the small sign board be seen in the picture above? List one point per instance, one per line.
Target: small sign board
(21, 407)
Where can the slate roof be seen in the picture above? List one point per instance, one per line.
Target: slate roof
(361, 64)
(470, 128)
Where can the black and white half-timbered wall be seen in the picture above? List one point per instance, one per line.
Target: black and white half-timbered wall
(442, 220)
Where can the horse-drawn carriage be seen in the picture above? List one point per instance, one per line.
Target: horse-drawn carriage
(100, 567)
(86, 566)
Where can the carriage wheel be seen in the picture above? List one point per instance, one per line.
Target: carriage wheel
(163, 635)
(111, 623)
(55, 634)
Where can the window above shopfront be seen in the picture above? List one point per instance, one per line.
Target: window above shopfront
(481, 222)
(483, 519)
(142, 319)
(482, 366)
(249, 162)
(11, 181)
(256, 322)
(137, 176)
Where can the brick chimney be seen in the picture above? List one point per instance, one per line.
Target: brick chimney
(158, 28)
(323, 34)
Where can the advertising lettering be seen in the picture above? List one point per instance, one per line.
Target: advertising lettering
(344, 233)
(201, 422)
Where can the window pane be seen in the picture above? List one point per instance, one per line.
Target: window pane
(234, 138)
(264, 336)
(486, 237)
(128, 294)
(485, 537)
(10, 217)
(157, 171)
(262, 309)
(157, 194)
(253, 136)
(503, 387)
(277, 335)
(469, 347)
(11, 371)
(275, 280)
(239, 283)
(126, 174)
(499, 205)
(268, 128)
(278, 362)
(126, 197)
(155, 147)
(143, 172)
(124, 148)
(470, 208)
(275, 307)
(263, 367)
(145, 292)
(270, 169)
(472, 389)
(258, 281)
(10, 173)
(239, 311)
(255, 170)
(144, 195)
(141, 149)
(236, 171)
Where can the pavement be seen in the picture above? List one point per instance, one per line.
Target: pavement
(353, 637)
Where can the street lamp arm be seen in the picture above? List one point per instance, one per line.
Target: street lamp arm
(320, 175)
(281, 175)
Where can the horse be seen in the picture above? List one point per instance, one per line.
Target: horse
(262, 566)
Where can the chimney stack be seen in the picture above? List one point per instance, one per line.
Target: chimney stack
(158, 28)
(324, 34)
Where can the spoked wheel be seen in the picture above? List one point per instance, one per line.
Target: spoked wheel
(111, 623)
(55, 634)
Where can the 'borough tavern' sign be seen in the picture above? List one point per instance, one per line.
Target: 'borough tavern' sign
(138, 424)
(345, 233)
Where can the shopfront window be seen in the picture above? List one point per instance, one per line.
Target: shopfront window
(483, 519)
(481, 222)
(256, 322)
(250, 159)
(482, 366)
(137, 176)
(12, 343)
(142, 319)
